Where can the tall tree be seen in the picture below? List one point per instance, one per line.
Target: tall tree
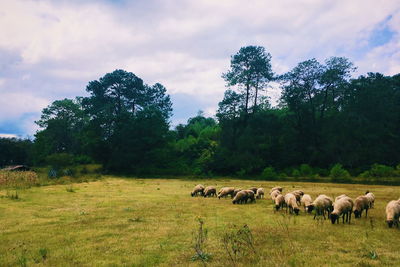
(251, 71)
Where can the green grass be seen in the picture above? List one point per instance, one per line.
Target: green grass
(147, 222)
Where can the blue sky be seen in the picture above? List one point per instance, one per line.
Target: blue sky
(51, 49)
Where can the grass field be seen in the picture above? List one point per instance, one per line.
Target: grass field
(147, 222)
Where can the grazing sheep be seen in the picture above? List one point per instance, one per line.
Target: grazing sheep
(339, 197)
(276, 188)
(321, 205)
(224, 191)
(307, 203)
(250, 195)
(361, 203)
(393, 213)
(198, 189)
(240, 197)
(291, 203)
(298, 194)
(210, 191)
(342, 207)
(274, 194)
(371, 198)
(254, 189)
(260, 193)
(279, 202)
(236, 191)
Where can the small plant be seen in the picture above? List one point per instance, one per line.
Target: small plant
(199, 241)
(43, 253)
(12, 195)
(70, 189)
(22, 261)
(238, 243)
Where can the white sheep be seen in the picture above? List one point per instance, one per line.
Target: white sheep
(361, 203)
(240, 197)
(274, 194)
(210, 191)
(236, 191)
(298, 194)
(393, 213)
(321, 205)
(198, 189)
(371, 198)
(224, 191)
(339, 197)
(250, 195)
(291, 203)
(254, 189)
(260, 193)
(307, 203)
(276, 188)
(342, 207)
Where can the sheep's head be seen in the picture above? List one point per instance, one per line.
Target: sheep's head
(357, 214)
(192, 194)
(310, 208)
(390, 223)
(334, 217)
(367, 192)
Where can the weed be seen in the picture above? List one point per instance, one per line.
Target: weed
(70, 189)
(199, 242)
(238, 243)
(137, 219)
(43, 253)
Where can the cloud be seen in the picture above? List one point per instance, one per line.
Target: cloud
(51, 49)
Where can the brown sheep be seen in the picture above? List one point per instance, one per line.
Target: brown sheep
(250, 195)
(198, 189)
(210, 191)
(279, 202)
(236, 191)
(393, 213)
(260, 193)
(223, 192)
(321, 205)
(254, 189)
(291, 203)
(361, 203)
(240, 197)
(342, 207)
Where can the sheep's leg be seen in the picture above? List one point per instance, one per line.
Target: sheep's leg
(349, 217)
(366, 212)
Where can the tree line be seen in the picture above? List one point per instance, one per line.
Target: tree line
(324, 117)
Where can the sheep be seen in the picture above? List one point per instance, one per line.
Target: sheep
(322, 204)
(254, 189)
(291, 203)
(342, 207)
(361, 203)
(339, 197)
(250, 195)
(236, 191)
(298, 194)
(274, 194)
(260, 193)
(276, 188)
(393, 213)
(240, 197)
(307, 203)
(210, 191)
(371, 198)
(198, 189)
(224, 191)
(279, 202)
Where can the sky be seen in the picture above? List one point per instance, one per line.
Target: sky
(50, 50)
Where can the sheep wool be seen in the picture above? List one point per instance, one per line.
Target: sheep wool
(223, 192)
(342, 207)
(393, 213)
(197, 190)
(291, 203)
(210, 191)
(361, 203)
(260, 193)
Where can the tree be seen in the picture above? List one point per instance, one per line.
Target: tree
(250, 71)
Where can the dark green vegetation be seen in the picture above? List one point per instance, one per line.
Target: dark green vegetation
(326, 124)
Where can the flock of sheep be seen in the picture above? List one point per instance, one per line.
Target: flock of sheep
(343, 206)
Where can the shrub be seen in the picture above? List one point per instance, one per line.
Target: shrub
(306, 170)
(379, 170)
(60, 160)
(269, 173)
(296, 173)
(338, 173)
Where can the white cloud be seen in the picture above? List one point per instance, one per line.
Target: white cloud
(15, 104)
(8, 135)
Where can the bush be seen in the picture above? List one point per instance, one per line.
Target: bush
(305, 170)
(379, 170)
(338, 173)
(60, 160)
(296, 173)
(269, 173)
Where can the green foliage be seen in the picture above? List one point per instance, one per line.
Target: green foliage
(305, 170)
(338, 173)
(269, 173)
(296, 173)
